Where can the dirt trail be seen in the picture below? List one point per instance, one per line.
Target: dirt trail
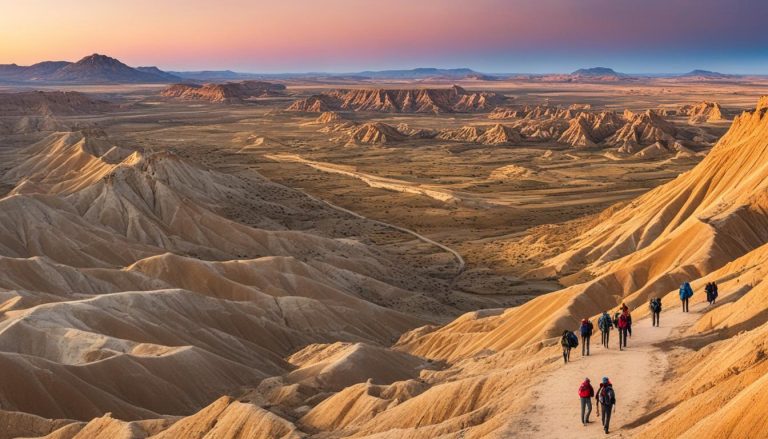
(634, 373)
(460, 263)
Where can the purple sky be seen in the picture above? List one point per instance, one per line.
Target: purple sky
(635, 36)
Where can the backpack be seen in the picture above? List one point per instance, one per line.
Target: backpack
(623, 321)
(586, 328)
(607, 396)
(604, 322)
(616, 319)
(573, 341)
(653, 305)
(585, 390)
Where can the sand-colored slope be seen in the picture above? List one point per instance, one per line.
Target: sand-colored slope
(129, 289)
(704, 218)
(226, 418)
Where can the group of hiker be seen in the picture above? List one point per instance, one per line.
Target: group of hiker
(605, 398)
(621, 320)
(686, 292)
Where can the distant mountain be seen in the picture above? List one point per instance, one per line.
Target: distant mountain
(13, 72)
(598, 72)
(206, 75)
(91, 69)
(169, 77)
(101, 68)
(418, 73)
(706, 74)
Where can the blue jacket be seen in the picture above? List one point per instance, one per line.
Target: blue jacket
(685, 291)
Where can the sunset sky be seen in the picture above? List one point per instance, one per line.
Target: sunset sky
(351, 35)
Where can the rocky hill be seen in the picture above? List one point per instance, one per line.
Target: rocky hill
(229, 92)
(450, 100)
(702, 112)
(497, 134)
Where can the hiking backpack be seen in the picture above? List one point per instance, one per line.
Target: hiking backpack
(607, 396)
(585, 390)
(604, 322)
(586, 329)
(573, 341)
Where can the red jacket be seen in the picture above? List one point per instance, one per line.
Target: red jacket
(586, 390)
(623, 322)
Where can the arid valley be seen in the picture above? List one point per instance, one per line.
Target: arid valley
(358, 258)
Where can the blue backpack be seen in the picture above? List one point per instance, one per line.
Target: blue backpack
(573, 341)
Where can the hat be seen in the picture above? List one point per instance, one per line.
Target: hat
(586, 379)
(605, 380)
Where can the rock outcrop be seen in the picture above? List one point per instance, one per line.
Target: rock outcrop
(450, 100)
(229, 92)
(495, 135)
(702, 112)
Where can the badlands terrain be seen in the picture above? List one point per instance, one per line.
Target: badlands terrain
(390, 258)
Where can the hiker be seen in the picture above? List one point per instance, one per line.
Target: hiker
(586, 333)
(606, 398)
(568, 341)
(686, 292)
(586, 392)
(711, 289)
(623, 325)
(605, 325)
(655, 307)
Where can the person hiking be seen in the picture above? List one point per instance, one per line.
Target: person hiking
(586, 333)
(568, 341)
(686, 292)
(655, 307)
(605, 325)
(623, 326)
(606, 398)
(714, 292)
(710, 291)
(616, 323)
(586, 392)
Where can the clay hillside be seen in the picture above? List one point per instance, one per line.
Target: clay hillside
(492, 373)
(229, 92)
(449, 100)
(626, 133)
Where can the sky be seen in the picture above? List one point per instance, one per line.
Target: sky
(504, 36)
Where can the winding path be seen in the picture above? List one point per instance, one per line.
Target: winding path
(461, 264)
